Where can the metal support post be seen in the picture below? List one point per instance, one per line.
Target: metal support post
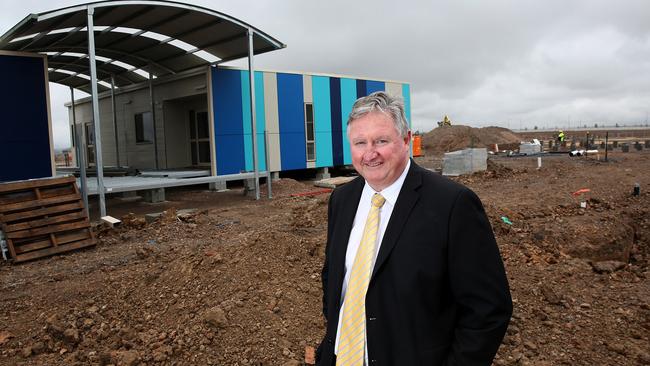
(96, 122)
(153, 120)
(251, 75)
(117, 144)
(606, 143)
(79, 153)
(268, 164)
(82, 166)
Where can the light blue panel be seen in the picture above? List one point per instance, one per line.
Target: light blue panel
(261, 120)
(373, 86)
(406, 94)
(320, 88)
(246, 120)
(348, 97)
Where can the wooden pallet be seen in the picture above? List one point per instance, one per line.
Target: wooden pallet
(43, 217)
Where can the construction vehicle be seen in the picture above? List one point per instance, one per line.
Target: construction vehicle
(445, 122)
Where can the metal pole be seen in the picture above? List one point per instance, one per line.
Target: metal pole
(606, 143)
(251, 74)
(81, 161)
(117, 145)
(82, 166)
(98, 139)
(153, 120)
(268, 164)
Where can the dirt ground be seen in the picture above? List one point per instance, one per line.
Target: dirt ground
(238, 281)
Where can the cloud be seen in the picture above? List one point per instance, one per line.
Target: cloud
(513, 63)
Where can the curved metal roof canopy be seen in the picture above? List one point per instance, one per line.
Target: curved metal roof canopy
(133, 39)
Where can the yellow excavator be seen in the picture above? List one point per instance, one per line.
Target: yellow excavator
(445, 122)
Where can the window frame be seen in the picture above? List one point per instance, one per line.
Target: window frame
(143, 132)
(310, 142)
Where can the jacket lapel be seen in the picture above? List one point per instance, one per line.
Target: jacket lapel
(344, 221)
(407, 198)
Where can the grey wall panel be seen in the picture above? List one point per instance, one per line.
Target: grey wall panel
(306, 89)
(272, 119)
(394, 89)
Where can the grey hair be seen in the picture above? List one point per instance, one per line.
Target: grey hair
(382, 102)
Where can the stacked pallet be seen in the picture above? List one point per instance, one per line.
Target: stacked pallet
(43, 217)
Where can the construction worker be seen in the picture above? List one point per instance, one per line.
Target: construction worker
(560, 136)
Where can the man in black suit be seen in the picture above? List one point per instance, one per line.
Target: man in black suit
(436, 292)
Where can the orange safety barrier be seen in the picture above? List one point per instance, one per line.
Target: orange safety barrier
(417, 145)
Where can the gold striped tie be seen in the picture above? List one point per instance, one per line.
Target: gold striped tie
(353, 324)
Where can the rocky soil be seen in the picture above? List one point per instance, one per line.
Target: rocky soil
(237, 282)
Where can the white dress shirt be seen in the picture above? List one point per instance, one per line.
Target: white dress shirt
(390, 193)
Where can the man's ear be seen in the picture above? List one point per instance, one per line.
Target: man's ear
(407, 139)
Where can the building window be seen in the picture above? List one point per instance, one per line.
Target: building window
(309, 132)
(143, 128)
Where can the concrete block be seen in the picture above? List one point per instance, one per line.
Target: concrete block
(323, 173)
(217, 186)
(464, 161)
(530, 148)
(151, 217)
(130, 196)
(154, 195)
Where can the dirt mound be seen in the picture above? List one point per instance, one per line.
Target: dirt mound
(452, 138)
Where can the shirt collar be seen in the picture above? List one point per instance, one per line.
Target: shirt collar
(391, 192)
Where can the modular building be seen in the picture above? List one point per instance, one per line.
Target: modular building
(162, 99)
(203, 120)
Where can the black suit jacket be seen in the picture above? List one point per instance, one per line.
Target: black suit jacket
(438, 294)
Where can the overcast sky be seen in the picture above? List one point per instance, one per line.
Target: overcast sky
(516, 64)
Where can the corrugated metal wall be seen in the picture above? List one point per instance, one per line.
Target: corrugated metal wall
(280, 111)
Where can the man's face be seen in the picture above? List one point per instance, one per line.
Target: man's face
(379, 153)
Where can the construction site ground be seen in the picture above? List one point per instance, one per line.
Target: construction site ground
(238, 281)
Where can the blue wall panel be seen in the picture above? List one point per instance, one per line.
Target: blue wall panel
(25, 151)
(337, 136)
(322, 120)
(246, 121)
(361, 88)
(373, 86)
(228, 128)
(348, 97)
(292, 122)
(332, 97)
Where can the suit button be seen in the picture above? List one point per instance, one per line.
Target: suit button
(372, 318)
(373, 361)
(330, 341)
